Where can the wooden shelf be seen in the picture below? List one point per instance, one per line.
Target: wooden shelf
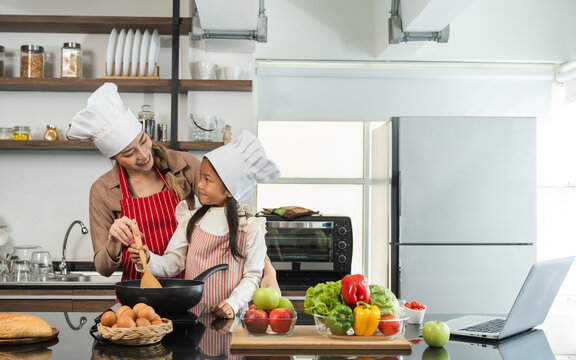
(124, 85)
(88, 24)
(86, 145)
(215, 85)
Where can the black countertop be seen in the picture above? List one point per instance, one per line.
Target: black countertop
(208, 339)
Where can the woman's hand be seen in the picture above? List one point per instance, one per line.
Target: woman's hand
(135, 254)
(123, 231)
(269, 277)
(223, 310)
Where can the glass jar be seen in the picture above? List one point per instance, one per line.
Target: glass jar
(146, 118)
(21, 132)
(31, 61)
(5, 133)
(71, 60)
(2, 57)
(51, 133)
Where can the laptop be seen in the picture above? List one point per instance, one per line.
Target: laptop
(529, 309)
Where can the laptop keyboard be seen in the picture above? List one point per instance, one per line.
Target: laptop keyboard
(491, 326)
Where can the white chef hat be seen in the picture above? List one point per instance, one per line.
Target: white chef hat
(241, 164)
(106, 121)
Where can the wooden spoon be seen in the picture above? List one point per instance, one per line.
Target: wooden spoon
(148, 280)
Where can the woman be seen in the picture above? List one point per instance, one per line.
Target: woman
(146, 183)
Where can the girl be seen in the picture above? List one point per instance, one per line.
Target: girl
(220, 232)
(146, 183)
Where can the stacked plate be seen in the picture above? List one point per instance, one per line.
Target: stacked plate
(132, 53)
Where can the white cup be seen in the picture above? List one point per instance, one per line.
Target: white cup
(232, 73)
(203, 70)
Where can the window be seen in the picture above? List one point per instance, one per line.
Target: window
(323, 170)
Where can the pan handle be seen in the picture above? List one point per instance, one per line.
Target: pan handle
(202, 277)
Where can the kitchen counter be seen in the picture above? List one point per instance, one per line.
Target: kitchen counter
(208, 338)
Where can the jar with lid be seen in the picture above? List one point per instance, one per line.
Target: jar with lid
(71, 60)
(21, 132)
(5, 133)
(51, 133)
(2, 57)
(31, 61)
(146, 118)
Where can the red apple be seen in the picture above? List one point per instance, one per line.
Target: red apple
(256, 321)
(389, 327)
(281, 320)
(253, 307)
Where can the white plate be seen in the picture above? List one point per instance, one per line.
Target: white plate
(136, 51)
(119, 52)
(3, 237)
(127, 53)
(153, 52)
(144, 52)
(111, 49)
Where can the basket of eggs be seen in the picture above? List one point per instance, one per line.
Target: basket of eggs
(139, 325)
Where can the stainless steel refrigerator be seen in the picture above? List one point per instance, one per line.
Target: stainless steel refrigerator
(460, 209)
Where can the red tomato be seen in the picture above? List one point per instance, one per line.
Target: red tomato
(389, 327)
(414, 304)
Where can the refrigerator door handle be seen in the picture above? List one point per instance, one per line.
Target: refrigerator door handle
(399, 194)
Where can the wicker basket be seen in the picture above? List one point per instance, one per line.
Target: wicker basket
(136, 335)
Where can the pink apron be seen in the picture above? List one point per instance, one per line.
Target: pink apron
(207, 250)
(155, 217)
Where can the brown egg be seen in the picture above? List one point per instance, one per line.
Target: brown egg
(156, 321)
(108, 318)
(121, 310)
(156, 317)
(130, 313)
(125, 321)
(142, 322)
(138, 306)
(146, 312)
(115, 326)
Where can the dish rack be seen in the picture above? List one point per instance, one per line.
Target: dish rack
(156, 74)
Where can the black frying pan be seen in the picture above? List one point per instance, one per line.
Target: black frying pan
(175, 296)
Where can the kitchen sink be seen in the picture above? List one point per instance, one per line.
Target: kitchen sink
(86, 277)
(73, 277)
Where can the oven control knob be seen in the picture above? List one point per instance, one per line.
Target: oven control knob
(342, 259)
(341, 245)
(342, 231)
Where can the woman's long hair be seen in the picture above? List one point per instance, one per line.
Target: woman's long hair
(175, 183)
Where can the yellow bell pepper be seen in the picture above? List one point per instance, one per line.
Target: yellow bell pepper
(366, 319)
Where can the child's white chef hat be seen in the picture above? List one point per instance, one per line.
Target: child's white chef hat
(106, 121)
(241, 164)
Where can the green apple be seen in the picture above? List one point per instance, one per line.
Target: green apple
(285, 303)
(266, 298)
(435, 333)
(435, 353)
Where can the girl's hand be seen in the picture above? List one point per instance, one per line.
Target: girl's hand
(135, 254)
(223, 310)
(122, 231)
(269, 277)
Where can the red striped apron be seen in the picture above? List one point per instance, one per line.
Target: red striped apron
(155, 217)
(207, 250)
(214, 343)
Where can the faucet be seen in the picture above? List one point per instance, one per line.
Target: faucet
(63, 266)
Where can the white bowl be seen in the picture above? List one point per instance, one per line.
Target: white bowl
(415, 316)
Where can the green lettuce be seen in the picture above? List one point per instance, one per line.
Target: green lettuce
(321, 298)
(385, 299)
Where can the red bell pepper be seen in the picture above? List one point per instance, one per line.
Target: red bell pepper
(355, 288)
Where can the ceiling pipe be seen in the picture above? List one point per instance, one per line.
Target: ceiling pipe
(396, 34)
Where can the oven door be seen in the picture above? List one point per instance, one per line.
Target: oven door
(301, 245)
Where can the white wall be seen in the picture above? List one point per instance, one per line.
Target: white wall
(43, 191)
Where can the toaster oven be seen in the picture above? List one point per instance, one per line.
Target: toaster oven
(309, 249)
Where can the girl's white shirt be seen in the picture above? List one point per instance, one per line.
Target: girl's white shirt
(214, 221)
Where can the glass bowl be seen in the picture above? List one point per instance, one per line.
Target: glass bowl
(269, 327)
(387, 329)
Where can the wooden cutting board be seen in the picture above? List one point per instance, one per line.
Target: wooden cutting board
(306, 340)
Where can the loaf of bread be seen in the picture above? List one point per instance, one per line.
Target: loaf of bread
(13, 326)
